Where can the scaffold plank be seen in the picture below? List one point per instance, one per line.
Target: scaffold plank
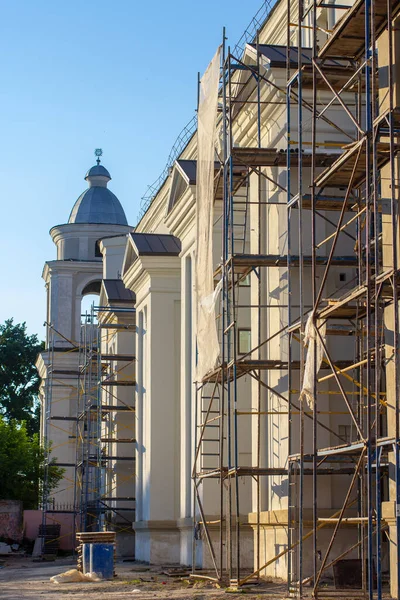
(345, 307)
(242, 264)
(246, 366)
(110, 407)
(117, 326)
(272, 157)
(111, 440)
(340, 173)
(121, 357)
(276, 260)
(352, 448)
(268, 472)
(328, 203)
(109, 383)
(348, 37)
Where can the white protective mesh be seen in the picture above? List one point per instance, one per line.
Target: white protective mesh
(315, 354)
(207, 335)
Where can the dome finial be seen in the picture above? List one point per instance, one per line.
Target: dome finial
(98, 152)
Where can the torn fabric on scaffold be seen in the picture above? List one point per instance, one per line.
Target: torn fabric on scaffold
(207, 335)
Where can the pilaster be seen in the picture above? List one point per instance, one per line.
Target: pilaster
(156, 282)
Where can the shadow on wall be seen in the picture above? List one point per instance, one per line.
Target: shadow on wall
(280, 489)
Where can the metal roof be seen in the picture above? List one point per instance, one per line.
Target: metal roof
(277, 56)
(189, 168)
(156, 244)
(117, 292)
(98, 170)
(98, 205)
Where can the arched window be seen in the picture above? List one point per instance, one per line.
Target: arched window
(90, 298)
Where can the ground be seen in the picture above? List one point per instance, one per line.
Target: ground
(23, 579)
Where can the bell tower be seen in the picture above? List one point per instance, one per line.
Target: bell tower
(76, 272)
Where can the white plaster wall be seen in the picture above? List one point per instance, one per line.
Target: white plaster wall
(120, 474)
(158, 407)
(58, 424)
(271, 230)
(113, 250)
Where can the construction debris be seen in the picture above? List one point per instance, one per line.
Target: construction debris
(5, 548)
(74, 576)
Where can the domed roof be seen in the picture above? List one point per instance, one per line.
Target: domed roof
(98, 170)
(98, 204)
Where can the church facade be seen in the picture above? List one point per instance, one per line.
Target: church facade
(266, 459)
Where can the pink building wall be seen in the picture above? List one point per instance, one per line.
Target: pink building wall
(33, 518)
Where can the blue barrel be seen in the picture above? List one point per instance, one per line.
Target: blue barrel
(99, 559)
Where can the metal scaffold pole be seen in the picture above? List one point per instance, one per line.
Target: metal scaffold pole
(246, 181)
(338, 82)
(101, 434)
(336, 346)
(59, 388)
(45, 499)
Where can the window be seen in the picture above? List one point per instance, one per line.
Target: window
(244, 341)
(97, 252)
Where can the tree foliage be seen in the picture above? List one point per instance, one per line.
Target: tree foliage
(22, 458)
(19, 380)
(22, 464)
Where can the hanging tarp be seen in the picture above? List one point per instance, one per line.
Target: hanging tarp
(207, 335)
(315, 354)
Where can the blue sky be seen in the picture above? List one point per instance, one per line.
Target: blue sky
(118, 75)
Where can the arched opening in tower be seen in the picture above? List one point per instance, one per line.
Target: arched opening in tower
(90, 301)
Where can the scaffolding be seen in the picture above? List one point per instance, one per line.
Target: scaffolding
(105, 423)
(342, 71)
(56, 421)
(94, 421)
(231, 404)
(338, 344)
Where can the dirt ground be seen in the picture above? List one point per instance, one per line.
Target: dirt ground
(21, 578)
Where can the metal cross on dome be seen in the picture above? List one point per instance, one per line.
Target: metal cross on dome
(98, 152)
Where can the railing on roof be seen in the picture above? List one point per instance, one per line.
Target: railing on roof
(249, 35)
(179, 144)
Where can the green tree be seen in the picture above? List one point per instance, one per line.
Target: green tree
(22, 464)
(19, 380)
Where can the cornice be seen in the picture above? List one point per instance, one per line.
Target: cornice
(98, 230)
(56, 359)
(131, 277)
(111, 316)
(71, 267)
(145, 274)
(182, 217)
(116, 241)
